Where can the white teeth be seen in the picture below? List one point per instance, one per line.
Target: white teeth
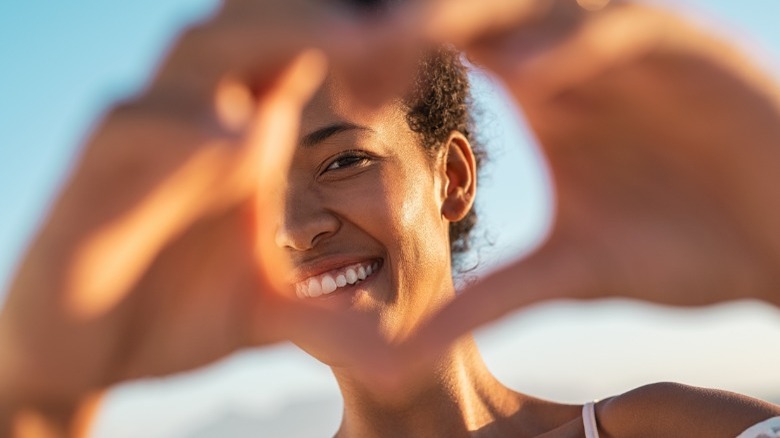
(351, 276)
(314, 288)
(328, 284)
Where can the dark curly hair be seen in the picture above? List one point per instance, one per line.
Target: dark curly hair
(439, 104)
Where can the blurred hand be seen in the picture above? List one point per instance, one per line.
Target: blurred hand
(158, 256)
(662, 143)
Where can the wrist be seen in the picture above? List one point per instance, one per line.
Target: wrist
(26, 412)
(70, 419)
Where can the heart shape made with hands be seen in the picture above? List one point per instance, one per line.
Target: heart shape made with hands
(659, 138)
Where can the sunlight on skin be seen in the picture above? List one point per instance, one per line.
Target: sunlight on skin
(234, 104)
(278, 130)
(567, 322)
(593, 5)
(91, 291)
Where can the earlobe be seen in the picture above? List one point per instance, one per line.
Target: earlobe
(461, 177)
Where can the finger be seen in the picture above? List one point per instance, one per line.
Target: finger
(538, 63)
(272, 120)
(462, 21)
(252, 41)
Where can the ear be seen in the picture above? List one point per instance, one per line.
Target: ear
(460, 183)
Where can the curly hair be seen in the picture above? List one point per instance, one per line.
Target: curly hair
(440, 103)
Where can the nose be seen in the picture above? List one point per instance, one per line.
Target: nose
(305, 222)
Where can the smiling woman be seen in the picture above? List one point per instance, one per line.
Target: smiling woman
(147, 264)
(370, 198)
(372, 206)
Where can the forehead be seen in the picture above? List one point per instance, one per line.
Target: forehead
(335, 102)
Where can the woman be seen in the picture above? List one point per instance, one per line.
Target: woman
(369, 202)
(374, 204)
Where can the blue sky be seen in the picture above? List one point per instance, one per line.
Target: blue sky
(64, 62)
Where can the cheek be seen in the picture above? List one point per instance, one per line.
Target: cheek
(381, 206)
(399, 207)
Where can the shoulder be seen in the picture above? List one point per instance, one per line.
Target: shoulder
(673, 409)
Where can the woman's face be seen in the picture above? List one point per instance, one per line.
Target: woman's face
(363, 220)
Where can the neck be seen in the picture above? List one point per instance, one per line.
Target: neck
(459, 397)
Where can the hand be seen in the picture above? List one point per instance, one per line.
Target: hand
(662, 145)
(158, 256)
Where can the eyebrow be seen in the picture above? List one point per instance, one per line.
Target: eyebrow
(318, 136)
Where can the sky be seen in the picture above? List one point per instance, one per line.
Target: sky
(65, 62)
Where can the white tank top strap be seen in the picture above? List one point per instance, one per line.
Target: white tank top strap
(765, 429)
(589, 419)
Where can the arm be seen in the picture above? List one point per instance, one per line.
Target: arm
(670, 409)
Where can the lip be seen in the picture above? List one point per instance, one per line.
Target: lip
(322, 265)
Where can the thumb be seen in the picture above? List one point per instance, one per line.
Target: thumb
(272, 140)
(552, 272)
(277, 121)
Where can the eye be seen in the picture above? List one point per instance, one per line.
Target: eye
(348, 159)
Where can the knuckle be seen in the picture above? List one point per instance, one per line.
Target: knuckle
(178, 115)
(205, 53)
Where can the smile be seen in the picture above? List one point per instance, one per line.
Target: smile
(331, 281)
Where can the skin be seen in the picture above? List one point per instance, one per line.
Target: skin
(81, 316)
(389, 199)
(360, 211)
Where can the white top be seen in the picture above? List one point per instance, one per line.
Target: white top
(765, 429)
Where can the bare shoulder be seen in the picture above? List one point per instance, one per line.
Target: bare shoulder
(671, 409)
